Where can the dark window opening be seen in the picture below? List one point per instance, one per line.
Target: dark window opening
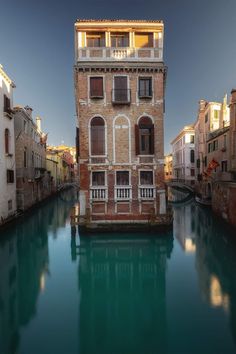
(7, 104)
(7, 141)
(98, 178)
(224, 167)
(192, 157)
(146, 178)
(144, 137)
(10, 176)
(97, 136)
(145, 87)
(122, 178)
(121, 93)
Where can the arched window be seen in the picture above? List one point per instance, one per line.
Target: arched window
(7, 141)
(144, 137)
(97, 136)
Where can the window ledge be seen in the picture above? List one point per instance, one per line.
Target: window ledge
(8, 155)
(96, 97)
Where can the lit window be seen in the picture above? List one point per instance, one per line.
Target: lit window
(95, 39)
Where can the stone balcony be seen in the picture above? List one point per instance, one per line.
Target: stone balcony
(120, 54)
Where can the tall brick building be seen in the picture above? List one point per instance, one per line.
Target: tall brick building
(119, 90)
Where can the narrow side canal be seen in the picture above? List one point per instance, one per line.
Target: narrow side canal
(117, 293)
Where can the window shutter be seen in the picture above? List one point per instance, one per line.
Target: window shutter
(152, 142)
(96, 87)
(137, 148)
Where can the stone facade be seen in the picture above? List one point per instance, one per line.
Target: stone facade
(168, 168)
(183, 151)
(120, 183)
(33, 183)
(212, 145)
(7, 149)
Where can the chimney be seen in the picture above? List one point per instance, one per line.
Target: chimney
(38, 123)
(29, 111)
(202, 105)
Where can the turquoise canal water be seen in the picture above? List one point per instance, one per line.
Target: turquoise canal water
(117, 293)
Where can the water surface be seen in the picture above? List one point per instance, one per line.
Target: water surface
(117, 293)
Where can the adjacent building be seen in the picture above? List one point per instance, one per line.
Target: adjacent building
(33, 183)
(61, 162)
(168, 167)
(212, 145)
(119, 91)
(184, 155)
(7, 149)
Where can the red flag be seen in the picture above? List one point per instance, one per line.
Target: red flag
(213, 164)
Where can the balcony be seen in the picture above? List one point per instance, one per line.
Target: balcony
(122, 193)
(121, 96)
(122, 54)
(147, 192)
(98, 193)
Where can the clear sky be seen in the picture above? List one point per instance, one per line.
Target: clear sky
(37, 52)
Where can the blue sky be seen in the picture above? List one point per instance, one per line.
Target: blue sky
(37, 51)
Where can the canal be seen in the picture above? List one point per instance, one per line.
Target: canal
(117, 293)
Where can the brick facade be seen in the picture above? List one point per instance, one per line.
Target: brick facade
(132, 202)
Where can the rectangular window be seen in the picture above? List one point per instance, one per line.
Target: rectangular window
(205, 161)
(10, 176)
(25, 157)
(145, 87)
(146, 178)
(198, 163)
(215, 145)
(122, 178)
(98, 178)
(224, 142)
(120, 91)
(224, 167)
(206, 118)
(143, 40)
(6, 104)
(192, 172)
(9, 205)
(119, 40)
(96, 87)
(95, 40)
(191, 139)
(209, 147)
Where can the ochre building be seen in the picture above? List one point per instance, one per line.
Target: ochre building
(119, 90)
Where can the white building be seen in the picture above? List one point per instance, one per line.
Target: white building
(7, 149)
(184, 155)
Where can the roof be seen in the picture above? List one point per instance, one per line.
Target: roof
(119, 20)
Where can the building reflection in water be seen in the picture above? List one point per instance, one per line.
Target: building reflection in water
(24, 267)
(184, 226)
(215, 259)
(122, 293)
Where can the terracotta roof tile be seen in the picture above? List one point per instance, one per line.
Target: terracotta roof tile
(119, 20)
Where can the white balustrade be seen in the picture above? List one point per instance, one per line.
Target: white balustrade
(107, 54)
(98, 193)
(123, 193)
(147, 192)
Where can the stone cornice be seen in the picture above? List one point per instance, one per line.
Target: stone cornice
(121, 67)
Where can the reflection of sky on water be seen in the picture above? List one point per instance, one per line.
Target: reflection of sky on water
(117, 293)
